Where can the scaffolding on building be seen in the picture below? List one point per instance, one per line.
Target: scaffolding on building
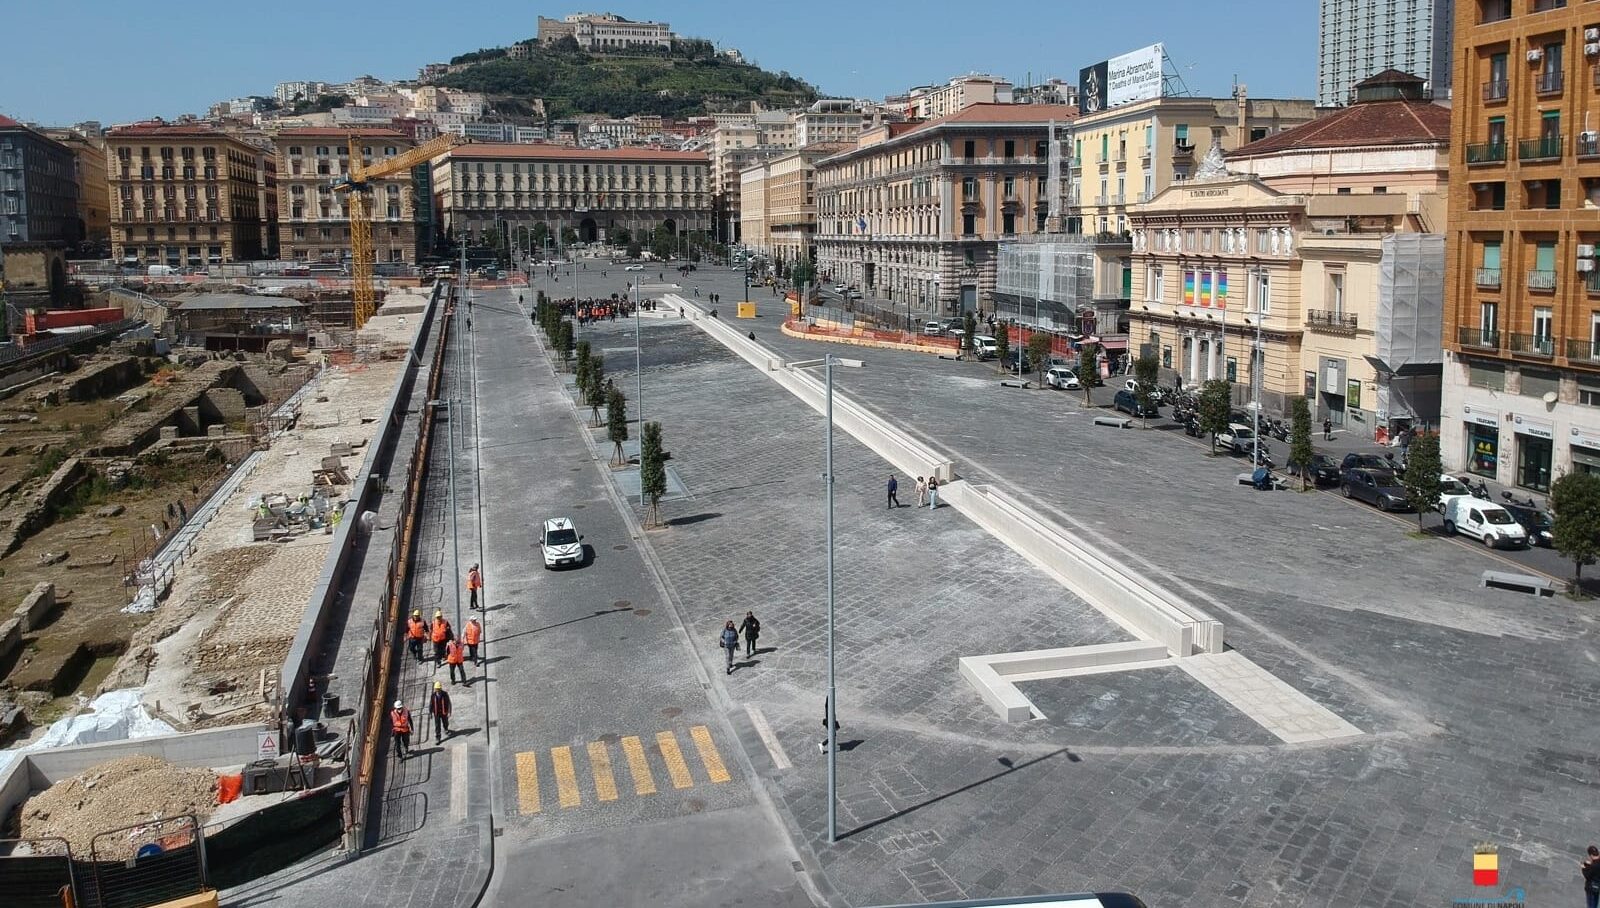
(1047, 282)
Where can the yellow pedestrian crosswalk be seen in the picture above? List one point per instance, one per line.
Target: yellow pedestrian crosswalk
(637, 759)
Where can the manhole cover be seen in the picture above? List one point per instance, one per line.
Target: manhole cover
(619, 548)
(610, 738)
(621, 603)
(642, 612)
(696, 805)
(672, 712)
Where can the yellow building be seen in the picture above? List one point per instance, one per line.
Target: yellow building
(183, 195)
(313, 225)
(778, 204)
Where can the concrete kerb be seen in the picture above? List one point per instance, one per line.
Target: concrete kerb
(994, 677)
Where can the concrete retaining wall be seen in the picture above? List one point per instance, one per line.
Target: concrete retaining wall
(36, 606)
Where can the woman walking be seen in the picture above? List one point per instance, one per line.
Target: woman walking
(729, 641)
(933, 493)
(922, 491)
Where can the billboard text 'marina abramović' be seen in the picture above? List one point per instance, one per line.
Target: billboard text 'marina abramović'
(1127, 79)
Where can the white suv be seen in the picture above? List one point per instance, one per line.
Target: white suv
(561, 543)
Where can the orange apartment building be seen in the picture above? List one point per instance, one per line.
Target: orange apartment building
(1521, 395)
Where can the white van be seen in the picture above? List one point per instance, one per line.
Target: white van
(984, 347)
(1485, 521)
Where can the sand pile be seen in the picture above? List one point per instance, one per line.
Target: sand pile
(115, 794)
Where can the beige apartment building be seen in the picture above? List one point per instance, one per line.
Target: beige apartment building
(182, 195)
(313, 222)
(914, 214)
(829, 121)
(754, 231)
(936, 101)
(778, 206)
(1307, 263)
(94, 192)
(592, 190)
(736, 144)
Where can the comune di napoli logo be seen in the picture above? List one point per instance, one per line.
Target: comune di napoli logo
(1485, 877)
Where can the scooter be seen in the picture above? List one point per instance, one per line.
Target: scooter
(1481, 490)
(1510, 499)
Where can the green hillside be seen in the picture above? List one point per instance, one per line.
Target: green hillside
(690, 79)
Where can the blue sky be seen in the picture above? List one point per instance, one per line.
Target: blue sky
(71, 60)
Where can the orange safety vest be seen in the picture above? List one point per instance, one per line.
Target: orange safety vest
(417, 629)
(400, 719)
(474, 580)
(441, 630)
(473, 634)
(455, 653)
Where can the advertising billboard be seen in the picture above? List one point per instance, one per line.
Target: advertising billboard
(1126, 79)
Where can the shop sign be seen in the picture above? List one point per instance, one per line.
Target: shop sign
(1583, 438)
(1480, 417)
(1538, 428)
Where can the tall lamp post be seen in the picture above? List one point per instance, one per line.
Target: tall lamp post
(829, 720)
(638, 371)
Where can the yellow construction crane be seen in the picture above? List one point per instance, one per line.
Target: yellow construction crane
(358, 184)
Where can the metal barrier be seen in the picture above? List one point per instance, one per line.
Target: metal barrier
(34, 872)
(148, 864)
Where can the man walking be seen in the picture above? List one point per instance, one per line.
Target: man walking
(416, 632)
(894, 487)
(474, 583)
(455, 655)
(400, 724)
(441, 634)
(472, 635)
(822, 746)
(729, 641)
(1327, 428)
(751, 628)
(1591, 877)
(439, 708)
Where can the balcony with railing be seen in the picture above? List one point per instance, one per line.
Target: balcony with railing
(1584, 350)
(1544, 148)
(1488, 279)
(1588, 143)
(1532, 344)
(1478, 337)
(1541, 280)
(1495, 90)
(1487, 153)
(1551, 83)
(1331, 321)
(1591, 282)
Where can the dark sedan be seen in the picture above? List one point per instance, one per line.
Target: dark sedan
(1536, 522)
(1322, 471)
(1379, 488)
(1364, 462)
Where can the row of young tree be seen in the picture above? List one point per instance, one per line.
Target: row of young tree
(597, 391)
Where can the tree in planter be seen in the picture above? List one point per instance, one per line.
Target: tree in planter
(1421, 477)
(652, 469)
(1300, 451)
(1216, 403)
(595, 387)
(1146, 373)
(581, 369)
(1089, 371)
(564, 341)
(1002, 343)
(617, 424)
(969, 328)
(1039, 353)
(1575, 528)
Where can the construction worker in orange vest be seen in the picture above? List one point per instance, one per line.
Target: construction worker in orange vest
(441, 634)
(455, 655)
(400, 724)
(472, 636)
(474, 583)
(416, 632)
(439, 708)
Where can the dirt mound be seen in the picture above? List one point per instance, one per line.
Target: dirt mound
(117, 794)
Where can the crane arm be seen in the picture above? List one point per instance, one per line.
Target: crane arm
(401, 162)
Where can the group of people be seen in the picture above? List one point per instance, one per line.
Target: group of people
(927, 492)
(749, 628)
(449, 650)
(601, 308)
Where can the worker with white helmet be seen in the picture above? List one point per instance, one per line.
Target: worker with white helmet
(400, 723)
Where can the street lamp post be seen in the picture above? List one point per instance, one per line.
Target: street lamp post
(638, 371)
(829, 719)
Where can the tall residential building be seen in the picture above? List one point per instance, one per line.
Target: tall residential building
(916, 211)
(604, 31)
(935, 101)
(1329, 238)
(38, 188)
(735, 145)
(313, 224)
(1522, 317)
(592, 190)
(828, 121)
(183, 194)
(778, 203)
(1361, 38)
(94, 195)
(754, 230)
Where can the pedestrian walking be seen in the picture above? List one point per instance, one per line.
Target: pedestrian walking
(439, 708)
(933, 493)
(822, 746)
(455, 656)
(1327, 428)
(922, 491)
(729, 641)
(474, 583)
(472, 635)
(400, 725)
(751, 628)
(416, 633)
(894, 488)
(1591, 877)
(441, 634)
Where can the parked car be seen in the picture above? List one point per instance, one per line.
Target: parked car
(1379, 488)
(1238, 439)
(1364, 461)
(1322, 471)
(560, 542)
(853, 293)
(1450, 487)
(953, 326)
(932, 328)
(634, 267)
(984, 346)
(1128, 402)
(1062, 379)
(1535, 522)
(1484, 521)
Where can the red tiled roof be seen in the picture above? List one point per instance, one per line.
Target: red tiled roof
(335, 132)
(1368, 123)
(7, 122)
(550, 152)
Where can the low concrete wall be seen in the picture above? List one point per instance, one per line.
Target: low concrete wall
(36, 606)
(1131, 599)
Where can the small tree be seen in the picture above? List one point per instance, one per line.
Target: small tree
(581, 368)
(1039, 353)
(1089, 371)
(1421, 477)
(652, 469)
(595, 387)
(1002, 343)
(1575, 529)
(617, 423)
(568, 236)
(1216, 403)
(1146, 372)
(620, 236)
(802, 273)
(564, 340)
(634, 249)
(1300, 451)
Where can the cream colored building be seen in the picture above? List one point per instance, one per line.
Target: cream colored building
(828, 121)
(933, 102)
(604, 31)
(183, 194)
(753, 226)
(778, 204)
(736, 145)
(1328, 238)
(914, 214)
(313, 223)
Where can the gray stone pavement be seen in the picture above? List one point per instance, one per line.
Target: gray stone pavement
(1477, 703)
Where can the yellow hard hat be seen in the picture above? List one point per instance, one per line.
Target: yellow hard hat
(437, 685)
(416, 613)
